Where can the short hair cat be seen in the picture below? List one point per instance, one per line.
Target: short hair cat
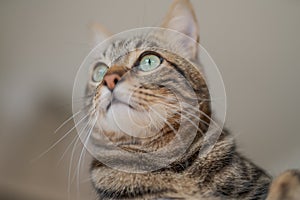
(129, 68)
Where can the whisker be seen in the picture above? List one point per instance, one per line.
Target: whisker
(66, 121)
(67, 149)
(82, 155)
(75, 138)
(181, 114)
(152, 120)
(63, 137)
(71, 117)
(86, 140)
(196, 98)
(197, 110)
(161, 117)
(83, 151)
(197, 117)
(192, 123)
(203, 113)
(70, 167)
(169, 125)
(72, 157)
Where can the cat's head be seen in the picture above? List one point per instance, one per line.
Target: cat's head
(147, 90)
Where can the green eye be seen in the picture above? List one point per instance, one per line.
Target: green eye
(149, 62)
(99, 72)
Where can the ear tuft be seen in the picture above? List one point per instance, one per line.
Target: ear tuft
(99, 33)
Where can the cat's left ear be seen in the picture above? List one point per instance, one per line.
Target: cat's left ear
(98, 33)
(181, 18)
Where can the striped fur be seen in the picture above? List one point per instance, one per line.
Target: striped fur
(221, 174)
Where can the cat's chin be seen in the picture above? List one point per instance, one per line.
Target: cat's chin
(121, 118)
(116, 102)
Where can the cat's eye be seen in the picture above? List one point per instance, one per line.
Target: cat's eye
(149, 62)
(99, 72)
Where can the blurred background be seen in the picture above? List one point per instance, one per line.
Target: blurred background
(255, 44)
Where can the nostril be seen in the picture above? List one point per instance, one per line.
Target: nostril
(116, 81)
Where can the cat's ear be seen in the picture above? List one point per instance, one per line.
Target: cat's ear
(181, 18)
(98, 33)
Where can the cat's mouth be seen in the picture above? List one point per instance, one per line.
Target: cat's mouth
(115, 101)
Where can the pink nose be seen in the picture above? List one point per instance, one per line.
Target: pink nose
(110, 81)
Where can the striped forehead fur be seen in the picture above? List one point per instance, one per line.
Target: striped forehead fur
(145, 41)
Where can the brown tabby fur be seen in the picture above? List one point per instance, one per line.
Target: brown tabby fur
(221, 174)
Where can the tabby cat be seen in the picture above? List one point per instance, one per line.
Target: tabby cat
(222, 173)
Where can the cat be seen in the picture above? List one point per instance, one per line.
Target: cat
(222, 173)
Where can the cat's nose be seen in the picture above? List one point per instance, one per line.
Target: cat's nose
(111, 80)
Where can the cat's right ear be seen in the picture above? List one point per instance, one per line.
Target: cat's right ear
(181, 17)
(98, 33)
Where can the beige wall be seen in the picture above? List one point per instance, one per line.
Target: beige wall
(255, 44)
